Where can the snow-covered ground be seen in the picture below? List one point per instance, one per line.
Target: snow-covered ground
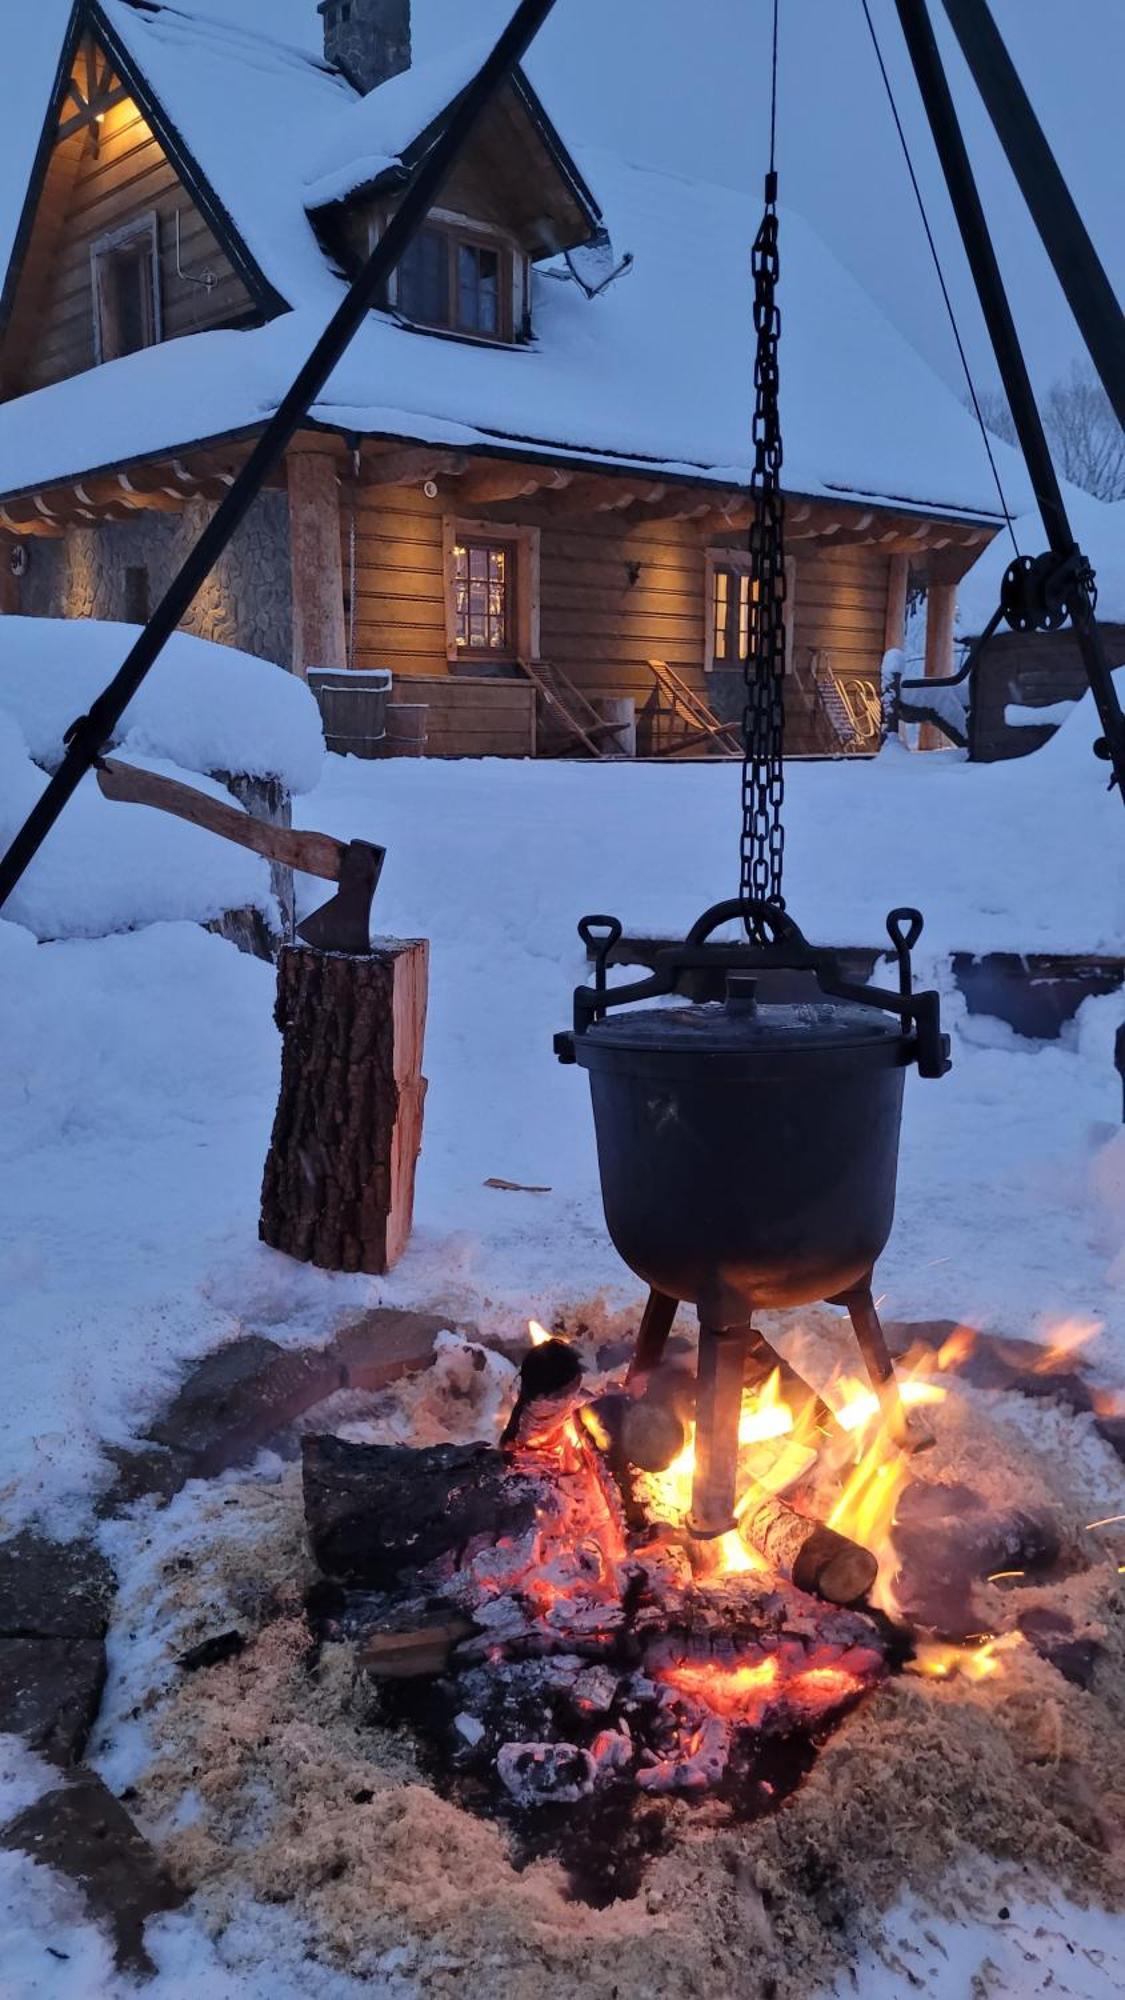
(140, 1070)
(140, 1073)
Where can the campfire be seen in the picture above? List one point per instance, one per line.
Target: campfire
(542, 1615)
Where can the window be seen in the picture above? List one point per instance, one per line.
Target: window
(484, 589)
(126, 284)
(730, 598)
(491, 596)
(450, 280)
(731, 613)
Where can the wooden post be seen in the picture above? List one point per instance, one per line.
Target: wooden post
(9, 582)
(894, 628)
(338, 1188)
(316, 563)
(941, 603)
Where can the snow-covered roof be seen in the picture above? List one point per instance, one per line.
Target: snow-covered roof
(656, 370)
(1099, 530)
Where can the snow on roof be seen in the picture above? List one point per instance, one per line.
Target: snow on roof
(247, 107)
(376, 130)
(657, 369)
(1100, 533)
(205, 706)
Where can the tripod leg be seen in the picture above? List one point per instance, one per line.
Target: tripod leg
(652, 1337)
(906, 1429)
(718, 1408)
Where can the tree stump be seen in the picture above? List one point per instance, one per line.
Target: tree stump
(338, 1188)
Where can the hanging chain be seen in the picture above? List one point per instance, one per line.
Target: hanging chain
(763, 721)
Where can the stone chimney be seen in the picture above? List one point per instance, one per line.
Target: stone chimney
(368, 39)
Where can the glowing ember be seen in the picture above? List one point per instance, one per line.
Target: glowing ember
(725, 1687)
(538, 1334)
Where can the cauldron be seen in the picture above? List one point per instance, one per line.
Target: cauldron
(748, 1144)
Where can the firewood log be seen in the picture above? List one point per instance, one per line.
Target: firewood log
(812, 1556)
(412, 1654)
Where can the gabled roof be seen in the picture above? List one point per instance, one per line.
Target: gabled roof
(146, 45)
(655, 371)
(382, 136)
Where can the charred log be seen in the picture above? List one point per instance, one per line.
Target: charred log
(550, 1391)
(378, 1513)
(947, 1540)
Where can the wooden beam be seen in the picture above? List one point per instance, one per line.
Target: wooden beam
(894, 625)
(22, 526)
(9, 582)
(411, 466)
(511, 482)
(316, 562)
(941, 604)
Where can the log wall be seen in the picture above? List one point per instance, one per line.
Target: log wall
(128, 177)
(596, 624)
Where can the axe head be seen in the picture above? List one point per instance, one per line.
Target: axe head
(344, 922)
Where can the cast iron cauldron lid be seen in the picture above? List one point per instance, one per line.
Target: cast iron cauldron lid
(718, 1026)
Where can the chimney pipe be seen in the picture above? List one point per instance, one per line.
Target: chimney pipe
(369, 40)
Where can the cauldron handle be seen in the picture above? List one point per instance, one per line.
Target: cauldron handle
(599, 935)
(767, 916)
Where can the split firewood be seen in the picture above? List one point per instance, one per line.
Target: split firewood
(550, 1391)
(814, 1557)
(412, 1654)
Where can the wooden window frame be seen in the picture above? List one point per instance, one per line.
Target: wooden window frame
(739, 561)
(458, 238)
(525, 587)
(143, 229)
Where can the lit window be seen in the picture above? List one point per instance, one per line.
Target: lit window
(483, 598)
(446, 279)
(732, 615)
(126, 291)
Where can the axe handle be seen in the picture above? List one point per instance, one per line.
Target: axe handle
(312, 853)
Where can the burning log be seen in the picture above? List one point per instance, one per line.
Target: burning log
(550, 1391)
(378, 1512)
(815, 1558)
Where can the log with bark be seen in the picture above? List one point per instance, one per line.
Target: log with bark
(338, 1188)
(814, 1557)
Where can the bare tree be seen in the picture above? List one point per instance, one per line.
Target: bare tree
(1086, 439)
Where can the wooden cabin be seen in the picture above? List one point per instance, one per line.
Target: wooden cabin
(524, 493)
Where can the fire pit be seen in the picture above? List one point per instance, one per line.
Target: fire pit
(748, 1149)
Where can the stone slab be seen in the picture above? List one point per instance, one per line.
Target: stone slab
(50, 1691)
(86, 1834)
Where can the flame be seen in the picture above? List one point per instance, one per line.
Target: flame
(764, 1415)
(733, 1558)
(1066, 1340)
(973, 1663)
(538, 1334)
(956, 1349)
(856, 1406)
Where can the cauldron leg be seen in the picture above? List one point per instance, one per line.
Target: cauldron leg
(652, 1336)
(718, 1408)
(905, 1427)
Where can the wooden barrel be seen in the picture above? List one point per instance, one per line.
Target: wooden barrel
(406, 723)
(352, 707)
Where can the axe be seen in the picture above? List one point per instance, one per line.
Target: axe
(341, 924)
